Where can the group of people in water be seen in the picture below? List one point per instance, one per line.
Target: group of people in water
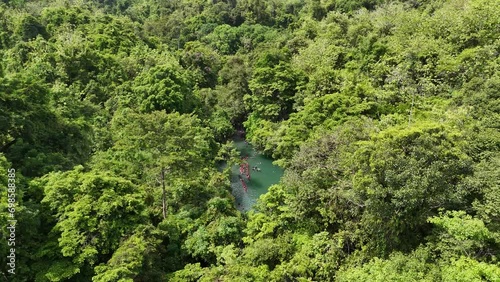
(244, 170)
(256, 168)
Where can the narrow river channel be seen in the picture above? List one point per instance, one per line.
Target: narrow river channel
(260, 180)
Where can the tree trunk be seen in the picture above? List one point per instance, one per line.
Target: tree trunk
(5, 147)
(163, 197)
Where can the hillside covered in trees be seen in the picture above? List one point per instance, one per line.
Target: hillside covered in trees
(385, 115)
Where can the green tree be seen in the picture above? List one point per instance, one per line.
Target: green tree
(273, 85)
(34, 137)
(203, 61)
(398, 267)
(165, 87)
(170, 145)
(405, 177)
(29, 28)
(458, 234)
(94, 211)
(132, 260)
(233, 79)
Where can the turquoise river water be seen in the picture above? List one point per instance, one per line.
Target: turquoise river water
(259, 182)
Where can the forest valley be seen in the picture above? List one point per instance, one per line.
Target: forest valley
(384, 114)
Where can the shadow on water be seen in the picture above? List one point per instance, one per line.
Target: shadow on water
(259, 182)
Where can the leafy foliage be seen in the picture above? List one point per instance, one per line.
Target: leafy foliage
(117, 115)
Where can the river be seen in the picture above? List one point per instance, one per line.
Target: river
(259, 182)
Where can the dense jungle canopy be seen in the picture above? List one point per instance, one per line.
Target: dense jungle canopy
(384, 114)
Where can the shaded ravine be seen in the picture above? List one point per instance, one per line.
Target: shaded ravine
(259, 182)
